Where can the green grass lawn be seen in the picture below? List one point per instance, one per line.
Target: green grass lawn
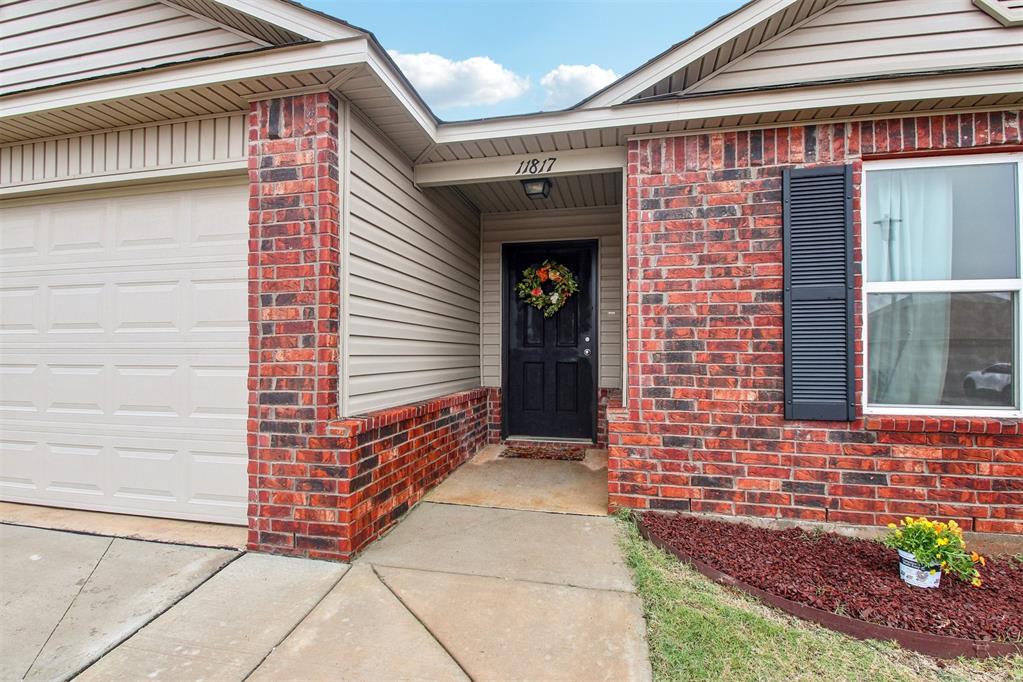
(699, 630)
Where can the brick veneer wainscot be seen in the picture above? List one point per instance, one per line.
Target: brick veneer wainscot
(395, 456)
(607, 398)
(318, 486)
(704, 431)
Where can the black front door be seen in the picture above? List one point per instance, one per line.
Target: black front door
(550, 363)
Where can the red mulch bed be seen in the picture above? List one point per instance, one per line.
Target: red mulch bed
(857, 577)
(569, 453)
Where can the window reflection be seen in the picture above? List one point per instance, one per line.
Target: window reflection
(941, 349)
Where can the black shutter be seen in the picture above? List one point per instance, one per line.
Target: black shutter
(817, 208)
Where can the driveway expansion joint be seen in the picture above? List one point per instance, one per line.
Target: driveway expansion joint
(462, 574)
(157, 614)
(69, 606)
(419, 620)
(296, 624)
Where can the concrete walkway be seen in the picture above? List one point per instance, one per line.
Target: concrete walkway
(67, 599)
(490, 480)
(453, 593)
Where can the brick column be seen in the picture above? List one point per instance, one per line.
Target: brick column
(294, 278)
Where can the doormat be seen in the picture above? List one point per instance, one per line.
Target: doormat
(558, 451)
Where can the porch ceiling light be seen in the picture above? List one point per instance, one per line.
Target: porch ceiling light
(537, 189)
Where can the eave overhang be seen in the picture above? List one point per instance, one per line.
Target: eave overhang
(221, 84)
(725, 105)
(270, 62)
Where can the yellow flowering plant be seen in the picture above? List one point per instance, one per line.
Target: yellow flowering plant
(936, 544)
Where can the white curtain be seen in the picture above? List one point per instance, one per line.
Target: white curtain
(909, 232)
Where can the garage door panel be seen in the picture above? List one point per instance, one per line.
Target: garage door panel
(150, 222)
(72, 389)
(197, 479)
(141, 473)
(172, 386)
(218, 392)
(74, 468)
(213, 300)
(21, 235)
(20, 310)
(148, 306)
(20, 387)
(199, 222)
(76, 228)
(197, 304)
(19, 464)
(124, 367)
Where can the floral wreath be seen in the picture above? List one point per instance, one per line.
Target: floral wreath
(531, 286)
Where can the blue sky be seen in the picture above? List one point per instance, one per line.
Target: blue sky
(494, 57)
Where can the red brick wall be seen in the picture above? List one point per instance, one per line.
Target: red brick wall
(393, 457)
(317, 486)
(294, 278)
(494, 420)
(606, 398)
(704, 431)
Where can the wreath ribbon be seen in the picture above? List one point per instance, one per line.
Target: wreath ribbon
(547, 286)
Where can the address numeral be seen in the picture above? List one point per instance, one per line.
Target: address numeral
(536, 166)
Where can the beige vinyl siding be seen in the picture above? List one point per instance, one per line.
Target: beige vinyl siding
(45, 42)
(413, 285)
(603, 224)
(149, 147)
(858, 38)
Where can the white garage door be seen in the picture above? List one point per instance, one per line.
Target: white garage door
(123, 351)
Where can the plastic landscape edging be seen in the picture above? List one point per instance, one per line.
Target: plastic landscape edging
(938, 646)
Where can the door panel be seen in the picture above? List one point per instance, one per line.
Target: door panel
(550, 363)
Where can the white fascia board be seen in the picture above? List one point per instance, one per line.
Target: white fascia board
(121, 179)
(1002, 12)
(692, 49)
(739, 104)
(292, 18)
(520, 166)
(398, 87)
(299, 58)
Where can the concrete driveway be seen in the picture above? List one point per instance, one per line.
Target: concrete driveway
(453, 593)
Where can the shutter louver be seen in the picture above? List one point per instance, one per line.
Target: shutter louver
(818, 281)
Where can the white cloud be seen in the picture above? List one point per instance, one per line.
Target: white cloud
(570, 83)
(476, 81)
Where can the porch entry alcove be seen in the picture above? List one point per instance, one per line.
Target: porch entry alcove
(542, 384)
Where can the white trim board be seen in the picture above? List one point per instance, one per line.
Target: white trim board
(518, 167)
(294, 18)
(199, 170)
(189, 75)
(741, 104)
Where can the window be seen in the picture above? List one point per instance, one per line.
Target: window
(942, 285)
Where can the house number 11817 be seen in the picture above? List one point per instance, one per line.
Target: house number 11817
(536, 166)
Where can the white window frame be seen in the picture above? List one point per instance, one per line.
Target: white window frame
(1014, 286)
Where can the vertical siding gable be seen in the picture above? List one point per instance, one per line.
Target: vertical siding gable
(173, 144)
(870, 38)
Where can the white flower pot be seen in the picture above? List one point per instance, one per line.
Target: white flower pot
(915, 573)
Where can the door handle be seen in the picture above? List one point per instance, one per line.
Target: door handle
(586, 352)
